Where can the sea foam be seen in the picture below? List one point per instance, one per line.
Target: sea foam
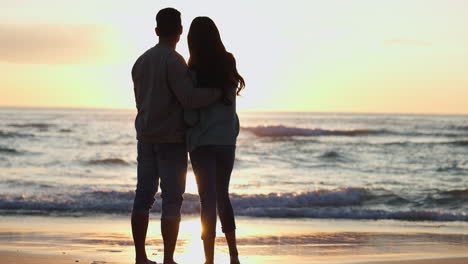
(346, 203)
(285, 131)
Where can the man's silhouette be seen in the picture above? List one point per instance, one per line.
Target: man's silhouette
(163, 88)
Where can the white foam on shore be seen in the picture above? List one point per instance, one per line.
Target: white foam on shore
(344, 203)
(285, 131)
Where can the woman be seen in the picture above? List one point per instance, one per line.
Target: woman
(212, 133)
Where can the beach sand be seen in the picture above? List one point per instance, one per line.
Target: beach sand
(25, 258)
(427, 261)
(107, 239)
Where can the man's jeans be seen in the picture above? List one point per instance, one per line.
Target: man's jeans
(166, 162)
(213, 166)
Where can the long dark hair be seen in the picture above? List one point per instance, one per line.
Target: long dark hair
(209, 59)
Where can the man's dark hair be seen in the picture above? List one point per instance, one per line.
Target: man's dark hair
(168, 22)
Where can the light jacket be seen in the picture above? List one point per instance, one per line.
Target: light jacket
(217, 124)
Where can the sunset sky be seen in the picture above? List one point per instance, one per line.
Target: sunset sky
(399, 56)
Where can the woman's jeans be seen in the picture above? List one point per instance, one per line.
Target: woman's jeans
(212, 166)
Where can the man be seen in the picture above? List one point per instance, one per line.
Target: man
(163, 88)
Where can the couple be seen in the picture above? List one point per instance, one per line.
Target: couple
(185, 107)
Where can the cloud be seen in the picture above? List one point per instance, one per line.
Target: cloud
(56, 44)
(408, 42)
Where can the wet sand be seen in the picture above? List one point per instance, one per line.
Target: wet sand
(25, 258)
(107, 240)
(425, 261)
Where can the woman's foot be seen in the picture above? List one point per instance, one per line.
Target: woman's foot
(147, 261)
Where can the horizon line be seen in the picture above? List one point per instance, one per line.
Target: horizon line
(239, 110)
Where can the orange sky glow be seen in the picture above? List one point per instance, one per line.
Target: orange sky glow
(401, 56)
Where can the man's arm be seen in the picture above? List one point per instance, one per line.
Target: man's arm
(136, 78)
(182, 85)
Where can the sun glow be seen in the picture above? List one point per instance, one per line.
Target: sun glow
(190, 232)
(353, 56)
(191, 183)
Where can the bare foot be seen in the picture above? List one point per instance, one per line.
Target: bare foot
(146, 262)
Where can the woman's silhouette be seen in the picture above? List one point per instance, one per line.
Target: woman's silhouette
(212, 133)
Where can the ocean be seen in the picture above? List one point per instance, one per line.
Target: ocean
(301, 165)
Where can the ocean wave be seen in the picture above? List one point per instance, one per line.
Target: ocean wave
(357, 214)
(102, 142)
(122, 201)
(451, 198)
(462, 127)
(337, 197)
(30, 184)
(458, 143)
(40, 126)
(333, 156)
(347, 203)
(453, 168)
(10, 151)
(457, 194)
(397, 143)
(461, 143)
(108, 162)
(284, 131)
(7, 134)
